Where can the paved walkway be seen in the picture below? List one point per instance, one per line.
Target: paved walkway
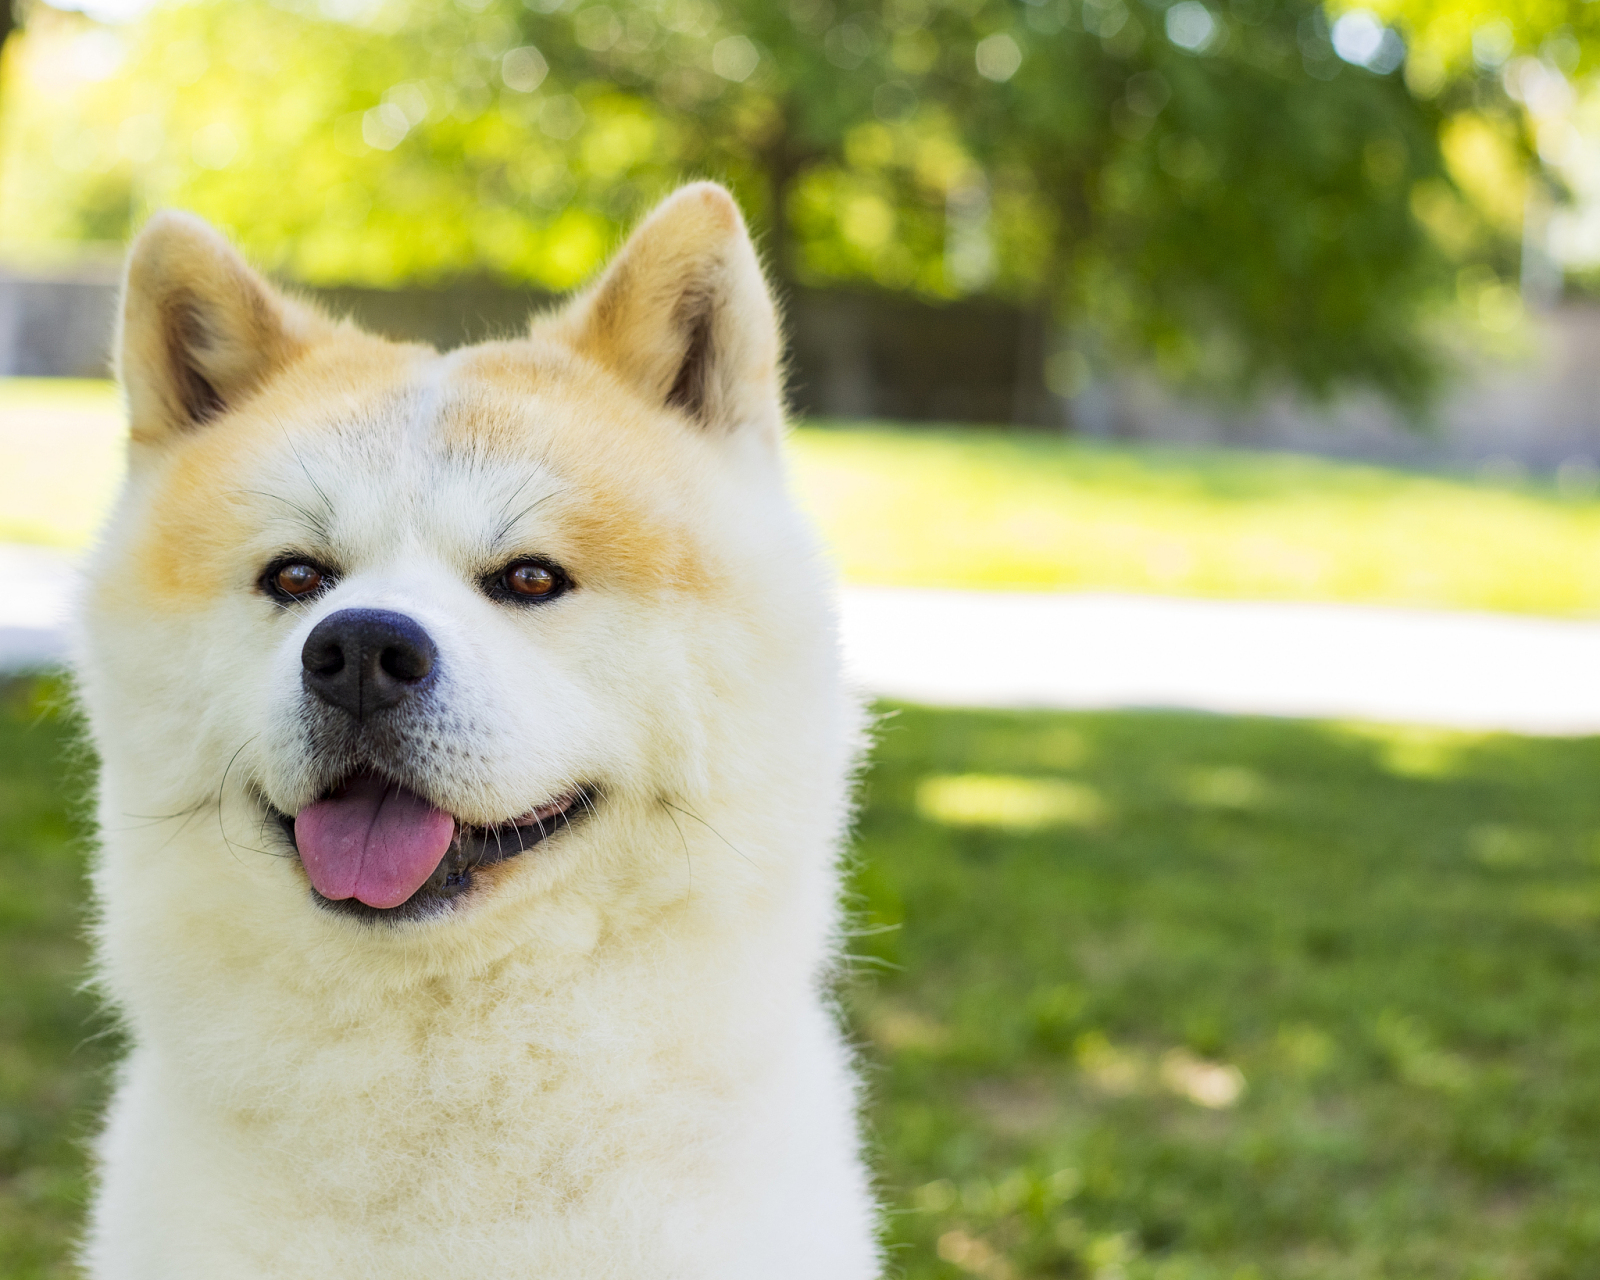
(35, 585)
(1001, 649)
(1468, 670)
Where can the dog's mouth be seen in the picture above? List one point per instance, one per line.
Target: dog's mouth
(373, 847)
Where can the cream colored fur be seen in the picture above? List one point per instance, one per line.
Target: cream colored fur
(616, 1056)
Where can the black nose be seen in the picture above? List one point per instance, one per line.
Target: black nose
(367, 660)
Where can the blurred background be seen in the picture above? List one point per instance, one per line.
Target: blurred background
(1202, 401)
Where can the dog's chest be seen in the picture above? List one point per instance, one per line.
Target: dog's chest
(506, 1098)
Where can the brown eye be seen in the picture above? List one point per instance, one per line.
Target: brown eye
(527, 582)
(532, 580)
(297, 579)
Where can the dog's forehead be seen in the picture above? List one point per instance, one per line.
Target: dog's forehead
(485, 413)
(461, 452)
(470, 443)
(434, 444)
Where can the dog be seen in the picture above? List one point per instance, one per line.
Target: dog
(475, 774)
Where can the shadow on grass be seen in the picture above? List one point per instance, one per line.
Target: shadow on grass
(1141, 995)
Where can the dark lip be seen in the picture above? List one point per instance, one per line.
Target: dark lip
(471, 849)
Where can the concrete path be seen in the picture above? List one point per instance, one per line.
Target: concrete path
(1000, 649)
(35, 587)
(1467, 670)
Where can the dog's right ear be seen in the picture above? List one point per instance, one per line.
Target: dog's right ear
(199, 330)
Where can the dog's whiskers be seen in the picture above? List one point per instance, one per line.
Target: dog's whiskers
(508, 523)
(147, 820)
(222, 791)
(689, 862)
(322, 493)
(315, 524)
(187, 815)
(690, 814)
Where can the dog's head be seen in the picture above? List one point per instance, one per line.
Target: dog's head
(442, 630)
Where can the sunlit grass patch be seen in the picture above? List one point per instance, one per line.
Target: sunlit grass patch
(1418, 751)
(1225, 787)
(61, 443)
(1206, 1084)
(948, 507)
(1121, 1070)
(1493, 844)
(1416, 1056)
(1010, 803)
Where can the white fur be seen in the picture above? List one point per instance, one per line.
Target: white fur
(620, 1059)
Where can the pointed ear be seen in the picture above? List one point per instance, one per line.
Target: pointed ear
(683, 315)
(199, 330)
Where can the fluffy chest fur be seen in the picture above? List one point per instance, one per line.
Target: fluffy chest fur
(538, 612)
(618, 1114)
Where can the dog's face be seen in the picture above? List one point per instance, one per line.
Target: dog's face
(405, 618)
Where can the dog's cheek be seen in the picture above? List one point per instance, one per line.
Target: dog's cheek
(281, 761)
(507, 733)
(260, 681)
(177, 711)
(631, 695)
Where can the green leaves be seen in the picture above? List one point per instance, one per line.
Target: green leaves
(1187, 186)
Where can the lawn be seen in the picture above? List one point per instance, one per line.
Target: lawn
(986, 508)
(1178, 997)
(54, 1048)
(1142, 997)
(974, 508)
(60, 458)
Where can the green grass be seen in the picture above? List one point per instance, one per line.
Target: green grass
(60, 458)
(1390, 935)
(924, 507)
(53, 1052)
(984, 508)
(1370, 954)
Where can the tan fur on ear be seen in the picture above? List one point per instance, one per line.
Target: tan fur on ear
(684, 316)
(199, 331)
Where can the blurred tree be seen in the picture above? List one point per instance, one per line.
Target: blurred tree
(10, 20)
(1449, 41)
(1513, 82)
(1231, 198)
(1211, 186)
(1202, 184)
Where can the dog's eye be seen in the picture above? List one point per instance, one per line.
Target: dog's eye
(294, 579)
(529, 581)
(298, 579)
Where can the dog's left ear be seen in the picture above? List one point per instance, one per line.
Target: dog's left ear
(199, 331)
(683, 315)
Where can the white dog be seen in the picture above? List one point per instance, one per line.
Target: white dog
(475, 770)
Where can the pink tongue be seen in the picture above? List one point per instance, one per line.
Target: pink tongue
(373, 840)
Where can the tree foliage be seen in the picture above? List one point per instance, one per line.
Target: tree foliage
(1201, 184)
